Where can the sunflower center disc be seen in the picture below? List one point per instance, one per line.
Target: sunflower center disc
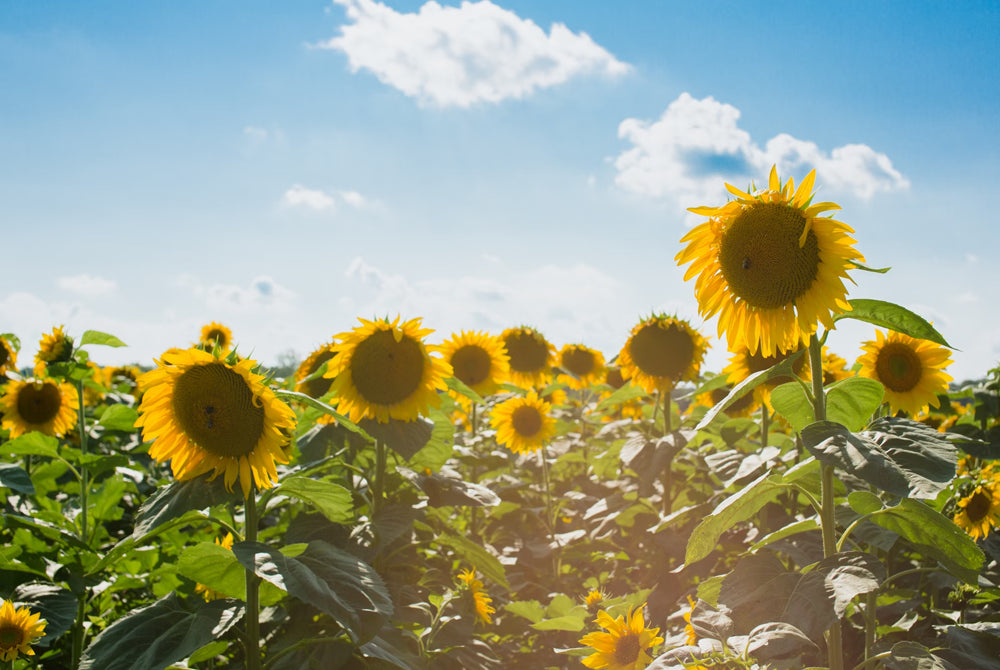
(627, 649)
(216, 336)
(318, 386)
(662, 352)
(578, 361)
(39, 404)
(614, 378)
(385, 371)
(526, 421)
(471, 364)
(10, 636)
(978, 506)
(4, 356)
(898, 367)
(217, 410)
(527, 354)
(761, 259)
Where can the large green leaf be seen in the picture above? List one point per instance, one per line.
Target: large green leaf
(908, 655)
(447, 489)
(323, 407)
(439, 447)
(458, 386)
(16, 478)
(119, 417)
(892, 316)
(32, 444)
(332, 500)
(57, 606)
(178, 498)
(97, 337)
(791, 402)
(477, 556)
(777, 641)
(784, 368)
(853, 401)
(621, 396)
(214, 566)
(163, 633)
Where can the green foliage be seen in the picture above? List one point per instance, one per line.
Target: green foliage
(892, 316)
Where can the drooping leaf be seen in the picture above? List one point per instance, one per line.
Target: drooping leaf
(332, 500)
(449, 489)
(777, 641)
(784, 368)
(119, 417)
(392, 647)
(178, 498)
(406, 438)
(56, 605)
(97, 337)
(16, 478)
(458, 386)
(894, 317)
(791, 402)
(323, 407)
(853, 401)
(971, 649)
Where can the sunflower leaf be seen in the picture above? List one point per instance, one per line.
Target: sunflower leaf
(119, 417)
(794, 405)
(56, 605)
(620, 397)
(332, 500)
(477, 556)
(460, 387)
(16, 478)
(97, 337)
(894, 317)
(323, 407)
(852, 401)
(784, 368)
(178, 498)
(865, 268)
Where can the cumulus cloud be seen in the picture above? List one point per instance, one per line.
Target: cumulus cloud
(318, 200)
(86, 285)
(697, 144)
(262, 294)
(460, 56)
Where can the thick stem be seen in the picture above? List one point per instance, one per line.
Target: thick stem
(871, 621)
(378, 477)
(77, 646)
(253, 587)
(765, 424)
(84, 478)
(472, 418)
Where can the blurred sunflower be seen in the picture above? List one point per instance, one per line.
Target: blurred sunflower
(478, 360)
(204, 414)
(979, 511)
(215, 335)
(661, 351)
(8, 356)
(317, 387)
(54, 347)
(384, 370)
(593, 600)
(18, 629)
(745, 405)
(625, 645)
(530, 355)
(44, 405)
(742, 364)
(523, 424)
(479, 597)
(584, 365)
(207, 593)
(613, 377)
(911, 370)
(769, 265)
(93, 392)
(834, 368)
(692, 636)
(122, 376)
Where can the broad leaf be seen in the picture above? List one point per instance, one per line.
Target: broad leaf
(853, 401)
(909, 655)
(620, 397)
(332, 500)
(439, 448)
(791, 402)
(458, 386)
(178, 498)
(16, 478)
(32, 444)
(783, 369)
(214, 566)
(892, 316)
(97, 337)
(119, 417)
(323, 407)
(474, 554)
(57, 606)
(776, 641)
(406, 438)
(447, 489)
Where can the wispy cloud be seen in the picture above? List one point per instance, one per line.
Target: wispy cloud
(319, 200)
(460, 56)
(86, 285)
(262, 294)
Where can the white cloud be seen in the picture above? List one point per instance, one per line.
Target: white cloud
(459, 56)
(263, 294)
(86, 285)
(697, 144)
(316, 200)
(354, 199)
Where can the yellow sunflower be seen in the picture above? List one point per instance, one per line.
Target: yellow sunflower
(625, 645)
(531, 356)
(692, 636)
(834, 368)
(523, 424)
(18, 629)
(207, 593)
(593, 600)
(479, 597)
(584, 365)
(980, 510)
(769, 265)
(478, 360)
(122, 376)
(214, 335)
(317, 387)
(742, 364)
(383, 369)
(911, 370)
(54, 347)
(205, 414)
(44, 405)
(8, 356)
(661, 351)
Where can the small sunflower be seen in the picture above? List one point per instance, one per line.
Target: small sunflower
(744, 363)
(980, 510)
(661, 351)
(593, 600)
(383, 370)
(18, 629)
(481, 601)
(54, 347)
(834, 368)
(478, 360)
(531, 356)
(204, 414)
(317, 387)
(207, 593)
(584, 365)
(214, 335)
(911, 370)
(625, 645)
(8, 356)
(523, 424)
(769, 265)
(122, 376)
(692, 636)
(44, 405)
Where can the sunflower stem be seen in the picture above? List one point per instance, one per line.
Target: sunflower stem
(472, 419)
(871, 621)
(253, 586)
(765, 424)
(84, 479)
(378, 477)
(78, 632)
(550, 516)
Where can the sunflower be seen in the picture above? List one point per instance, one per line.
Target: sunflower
(613, 377)
(911, 370)
(122, 376)
(584, 365)
(18, 629)
(980, 510)
(205, 414)
(743, 406)
(55, 347)
(383, 370)
(8, 356)
(834, 368)
(625, 645)
(207, 593)
(744, 363)
(478, 360)
(531, 356)
(215, 335)
(523, 424)
(317, 387)
(44, 405)
(692, 636)
(479, 597)
(594, 599)
(661, 351)
(769, 265)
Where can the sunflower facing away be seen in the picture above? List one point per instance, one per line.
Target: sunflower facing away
(215, 335)
(317, 387)
(769, 265)
(584, 365)
(8, 356)
(478, 360)
(479, 597)
(625, 645)
(204, 414)
(911, 370)
(18, 629)
(980, 510)
(207, 593)
(661, 351)
(523, 424)
(743, 364)
(38, 404)
(531, 356)
(383, 370)
(54, 347)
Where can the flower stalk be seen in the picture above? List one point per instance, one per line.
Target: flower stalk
(253, 586)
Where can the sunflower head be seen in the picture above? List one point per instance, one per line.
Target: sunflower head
(481, 601)
(523, 424)
(383, 370)
(54, 347)
(317, 387)
(834, 368)
(19, 628)
(45, 405)
(123, 376)
(769, 265)
(531, 356)
(742, 364)
(625, 645)
(979, 511)
(613, 377)
(661, 351)
(210, 415)
(593, 600)
(215, 335)
(584, 365)
(8, 353)
(478, 360)
(911, 370)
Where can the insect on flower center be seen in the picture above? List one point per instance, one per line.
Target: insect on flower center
(627, 649)
(527, 353)
(662, 352)
(898, 367)
(978, 506)
(761, 259)
(578, 361)
(526, 421)
(385, 371)
(39, 403)
(471, 364)
(217, 410)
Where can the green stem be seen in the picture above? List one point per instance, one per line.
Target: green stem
(472, 418)
(253, 587)
(871, 622)
(550, 516)
(78, 632)
(666, 478)
(378, 477)
(84, 477)
(765, 424)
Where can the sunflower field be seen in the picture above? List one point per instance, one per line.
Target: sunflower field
(492, 499)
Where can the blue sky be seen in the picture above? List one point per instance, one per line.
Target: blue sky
(287, 167)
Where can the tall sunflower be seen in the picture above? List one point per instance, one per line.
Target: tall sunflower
(215, 334)
(44, 405)
(584, 365)
(18, 629)
(742, 364)
(625, 645)
(8, 356)
(979, 511)
(769, 265)
(480, 600)
(523, 424)
(205, 414)
(383, 369)
(911, 370)
(54, 347)
(317, 387)
(661, 351)
(531, 356)
(478, 360)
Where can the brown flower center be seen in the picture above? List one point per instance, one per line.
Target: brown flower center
(662, 351)
(385, 371)
(471, 364)
(216, 336)
(10, 636)
(898, 367)
(978, 506)
(579, 361)
(218, 411)
(527, 421)
(318, 386)
(614, 378)
(39, 403)
(528, 351)
(627, 649)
